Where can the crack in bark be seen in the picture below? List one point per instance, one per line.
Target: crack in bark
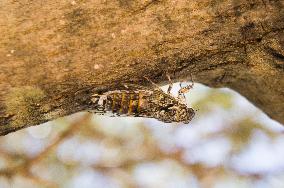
(146, 6)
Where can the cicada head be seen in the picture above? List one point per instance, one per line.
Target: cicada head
(183, 114)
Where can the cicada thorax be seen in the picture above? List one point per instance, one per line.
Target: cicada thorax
(123, 102)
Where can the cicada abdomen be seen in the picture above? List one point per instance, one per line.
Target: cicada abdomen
(121, 102)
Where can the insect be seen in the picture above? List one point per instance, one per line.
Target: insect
(144, 102)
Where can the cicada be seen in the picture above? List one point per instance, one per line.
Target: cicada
(150, 103)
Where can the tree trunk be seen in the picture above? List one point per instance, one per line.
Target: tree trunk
(56, 54)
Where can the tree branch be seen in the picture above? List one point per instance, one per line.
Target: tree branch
(56, 54)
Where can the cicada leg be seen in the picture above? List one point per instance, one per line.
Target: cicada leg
(154, 84)
(184, 90)
(170, 85)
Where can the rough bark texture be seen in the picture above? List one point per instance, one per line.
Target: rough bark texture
(54, 54)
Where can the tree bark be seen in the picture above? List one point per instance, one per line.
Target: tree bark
(55, 54)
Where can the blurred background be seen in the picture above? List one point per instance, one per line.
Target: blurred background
(229, 143)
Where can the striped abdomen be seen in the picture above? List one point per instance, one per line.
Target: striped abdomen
(122, 102)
